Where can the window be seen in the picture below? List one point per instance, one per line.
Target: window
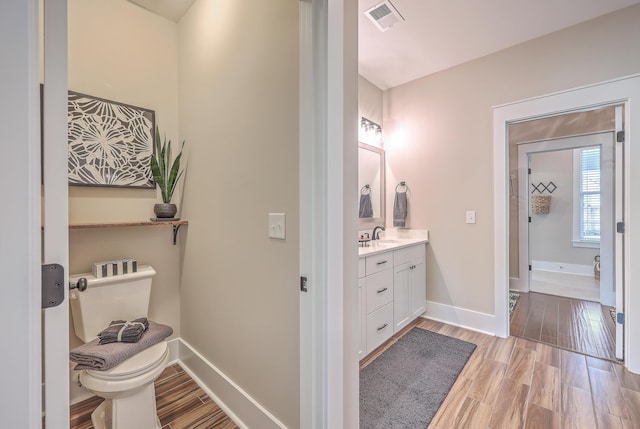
(587, 197)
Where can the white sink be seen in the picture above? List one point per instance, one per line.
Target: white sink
(388, 241)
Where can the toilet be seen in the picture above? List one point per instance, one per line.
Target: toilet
(128, 387)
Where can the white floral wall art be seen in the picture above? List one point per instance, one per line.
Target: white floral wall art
(110, 143)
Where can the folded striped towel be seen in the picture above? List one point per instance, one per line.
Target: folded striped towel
(103, 357)
(123, 331)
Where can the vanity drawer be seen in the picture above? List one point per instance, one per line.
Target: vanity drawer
(379, 326)
(379, 262)
(361, 268)
(410, 253)
(379, 290)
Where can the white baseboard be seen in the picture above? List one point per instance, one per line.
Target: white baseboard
(245, 411)
(469, 319)
(561, 267)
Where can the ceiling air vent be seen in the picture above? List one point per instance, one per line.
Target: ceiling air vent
(384, 15)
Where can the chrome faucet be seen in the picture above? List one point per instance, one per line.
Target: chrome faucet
(375, 234)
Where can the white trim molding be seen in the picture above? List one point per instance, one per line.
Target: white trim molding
(561, 267)
(613, 92)
(457, 316)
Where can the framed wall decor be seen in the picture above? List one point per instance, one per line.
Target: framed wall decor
(110, 143)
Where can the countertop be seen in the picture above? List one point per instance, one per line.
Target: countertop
(391, 243)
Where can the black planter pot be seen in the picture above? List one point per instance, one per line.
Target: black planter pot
(165, 210)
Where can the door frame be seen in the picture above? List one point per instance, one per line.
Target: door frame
(525, 149)
(617, 91)
(328, 217)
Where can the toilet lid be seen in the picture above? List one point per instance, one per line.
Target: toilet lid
(137, 363)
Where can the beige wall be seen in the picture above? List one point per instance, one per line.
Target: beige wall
(551, 234)
(121, 52)
(369, 101)
(124, 53)
(440, 141)
(239, 115)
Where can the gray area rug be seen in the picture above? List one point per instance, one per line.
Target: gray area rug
(513, 300)
(404, 387)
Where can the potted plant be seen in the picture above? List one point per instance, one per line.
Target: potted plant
(166, 175)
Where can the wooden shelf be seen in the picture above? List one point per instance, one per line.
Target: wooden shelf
(127, 224)
(175, 224)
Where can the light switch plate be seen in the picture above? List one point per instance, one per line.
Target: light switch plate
(277, 227)
(471, 216)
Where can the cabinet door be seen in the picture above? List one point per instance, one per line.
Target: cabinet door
(362, 317)
(418, 287)
(402, 296)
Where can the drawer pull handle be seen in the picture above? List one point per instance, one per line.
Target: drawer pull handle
(382, 327)
(381, 263)
(381, 290)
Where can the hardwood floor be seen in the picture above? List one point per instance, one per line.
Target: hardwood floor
(508, 383)
(572, 324)
(512, 383)
(180, 402)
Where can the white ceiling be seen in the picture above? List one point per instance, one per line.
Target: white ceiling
(439, 34)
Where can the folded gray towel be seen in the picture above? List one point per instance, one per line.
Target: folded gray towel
(366, 210)
(105, 356)
(123, 331)
(400, 209)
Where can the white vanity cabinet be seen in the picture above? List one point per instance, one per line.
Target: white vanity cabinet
(409, 285)
(362, 308)
(376, 301)
(392, 293)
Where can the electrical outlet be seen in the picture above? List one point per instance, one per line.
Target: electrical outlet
(471, 216)
(277, 227)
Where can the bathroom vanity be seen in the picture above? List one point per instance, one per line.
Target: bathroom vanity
(391, 288)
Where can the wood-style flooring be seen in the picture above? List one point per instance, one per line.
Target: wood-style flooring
(181, 404)
(508, 383)
(514, 383)
(572, 324)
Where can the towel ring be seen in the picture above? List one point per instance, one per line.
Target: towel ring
(366, 189)
(402, 185)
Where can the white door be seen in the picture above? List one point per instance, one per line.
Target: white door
(22, 248)
(55, 213)
(539, 228)
(20, 391)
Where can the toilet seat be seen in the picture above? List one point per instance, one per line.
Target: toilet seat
(123, 379)
(137, 364)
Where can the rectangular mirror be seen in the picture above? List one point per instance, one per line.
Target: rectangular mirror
(371, 183)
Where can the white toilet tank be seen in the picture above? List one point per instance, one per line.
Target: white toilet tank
(125, 297)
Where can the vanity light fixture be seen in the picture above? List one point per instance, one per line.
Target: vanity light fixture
(370, 132)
